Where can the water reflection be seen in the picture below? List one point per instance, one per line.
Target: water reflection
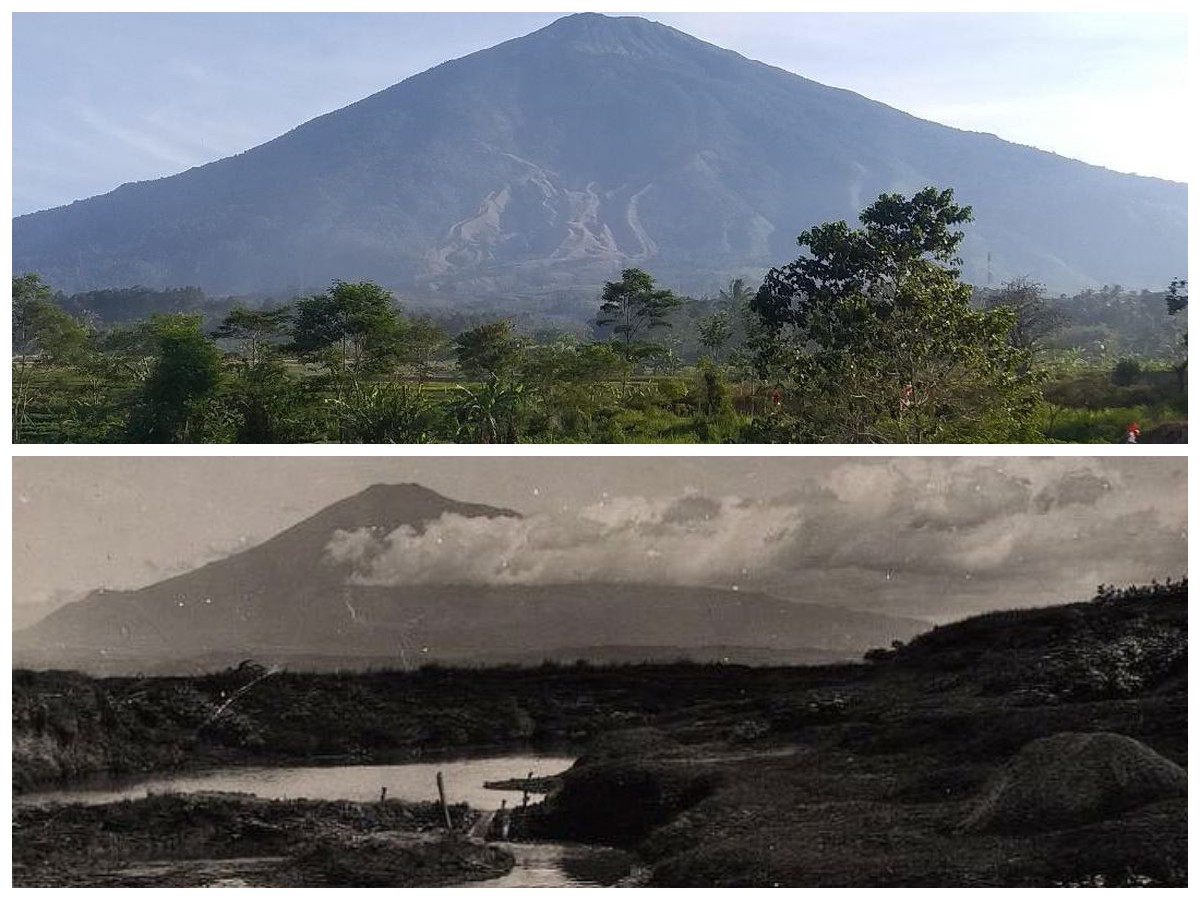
(409, 781)
(562, 865)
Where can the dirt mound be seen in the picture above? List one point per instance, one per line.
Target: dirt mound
(398, 859)
(1070, 779)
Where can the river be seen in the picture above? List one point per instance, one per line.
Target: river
(538, 865)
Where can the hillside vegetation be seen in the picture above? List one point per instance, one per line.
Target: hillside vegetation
(870, 337)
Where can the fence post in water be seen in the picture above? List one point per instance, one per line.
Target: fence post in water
(441, 783)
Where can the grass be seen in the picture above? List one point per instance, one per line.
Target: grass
(1090, 408)
(53, 405)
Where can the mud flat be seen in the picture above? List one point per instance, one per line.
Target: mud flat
(239, 840)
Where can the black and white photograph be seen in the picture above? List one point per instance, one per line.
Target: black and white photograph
(575, 671)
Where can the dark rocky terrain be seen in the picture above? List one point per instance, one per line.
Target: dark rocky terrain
(1034, 748)
(910, 769)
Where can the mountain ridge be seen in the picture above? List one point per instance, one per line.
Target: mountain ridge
(548, 162)
(286, 598)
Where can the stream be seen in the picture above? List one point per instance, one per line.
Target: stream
(538, 864)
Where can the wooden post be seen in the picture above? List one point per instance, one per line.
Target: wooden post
(441, 783)
(383, 793)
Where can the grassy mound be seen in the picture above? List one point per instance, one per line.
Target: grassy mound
(1071, 779)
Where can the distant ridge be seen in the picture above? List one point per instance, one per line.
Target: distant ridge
(285, 601)
(544, 165)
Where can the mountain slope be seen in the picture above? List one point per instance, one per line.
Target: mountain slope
(549, 162)
(286, 600)
(243, 600)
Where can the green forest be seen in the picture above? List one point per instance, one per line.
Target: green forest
(869, 336)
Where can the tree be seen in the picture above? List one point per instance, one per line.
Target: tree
(271, 407)
(1037, 322)
(633, 306)
(40, 327)
(426, 342)
(885, 344)
(572, 382)
(254, 329)
(352, 329)
(1177, 298)
(1177, 301)
(175, 402)
(715, 331)
(736, 297)
(42, 333)
(488, 351)
(735, 302)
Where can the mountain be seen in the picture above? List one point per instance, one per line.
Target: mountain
(546, 164)
(286, 601)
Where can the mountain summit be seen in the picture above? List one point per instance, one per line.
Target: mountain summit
(289, 601)
(549, 162)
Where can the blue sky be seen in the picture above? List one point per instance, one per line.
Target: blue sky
(100, 99)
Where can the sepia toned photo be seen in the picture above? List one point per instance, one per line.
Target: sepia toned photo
(598, 671)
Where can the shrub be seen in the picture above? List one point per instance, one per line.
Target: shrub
(1126, 372)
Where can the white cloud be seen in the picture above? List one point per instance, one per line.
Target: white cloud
(680, 540)
(938, 517)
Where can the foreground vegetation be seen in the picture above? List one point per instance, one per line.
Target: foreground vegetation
(870, 336)
(869, 774)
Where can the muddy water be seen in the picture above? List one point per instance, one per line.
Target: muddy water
(409, 781)
(562, 865)
(538, 865)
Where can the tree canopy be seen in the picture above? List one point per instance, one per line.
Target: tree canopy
(172, 405)
(489, 351)
(885, 346)
(352, 327)
(634, 306)
(39, 326)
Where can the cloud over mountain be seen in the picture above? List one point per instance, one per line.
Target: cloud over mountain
(944, 527)
(687, 539)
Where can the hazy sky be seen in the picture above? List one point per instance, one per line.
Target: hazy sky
(932, 537)
(100, 99)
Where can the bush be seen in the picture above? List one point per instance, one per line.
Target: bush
(1126, 372)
